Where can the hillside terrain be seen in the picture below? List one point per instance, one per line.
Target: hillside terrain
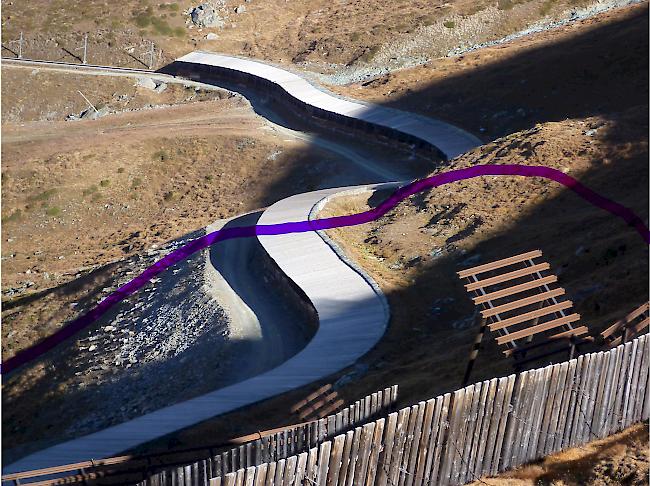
(88, 204)
(353, 38)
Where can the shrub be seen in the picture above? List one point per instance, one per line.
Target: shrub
(105, 183)
(91, 190)
(17, 215)
(120, 170)
(137, 182)
(43, 196)
(160, 156)
(53, 211)
(449, 24)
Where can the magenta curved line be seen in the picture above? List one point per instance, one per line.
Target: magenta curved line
(399, 195)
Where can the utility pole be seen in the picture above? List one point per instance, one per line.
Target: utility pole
(85, 47)
(20, 46)
(151, 56)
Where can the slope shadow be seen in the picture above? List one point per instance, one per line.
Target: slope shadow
(599, 69)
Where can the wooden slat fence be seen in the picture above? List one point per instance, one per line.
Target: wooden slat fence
(276, 448)
(479, 430)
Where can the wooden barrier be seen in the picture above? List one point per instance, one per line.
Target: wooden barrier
(478, 430)
(255, 449)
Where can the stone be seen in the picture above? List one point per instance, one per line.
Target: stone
(240, 9)
(211, 36)
(205, 15)
(161, 87)
(147, 83)
(92, 348)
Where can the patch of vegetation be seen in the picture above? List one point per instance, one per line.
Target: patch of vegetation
(17, 215)
(53, 211)
(355, 36)
(450, 24)
(120, 170)
(105, 182)
(96, 197)
(43, 196)
(160, 156)
(547, 6)
(137, 182)
(209, 178)
(91, 190)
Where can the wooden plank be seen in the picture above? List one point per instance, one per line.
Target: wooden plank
(324, 452)
(338, 423)
(375, 449)
(563, 388)
(532, 330)
(365, 445)
(260, 475)
(270, 473)
(215, 481)
(249, 477)
(394, 394)
(511, 399)
(438, 447)
(385, 455)
(465, 468)
(451, 445)
(279, 472)
(345, 458)
(398, 445)
(645, 414)
(567, 397)
(486, 267)
(595, 365)
(506, 277)
(515, 289)
(514, 424)
(335, 460)
(580, 376)
(620, 394)
(611, 418)
(631, 385)
(290, 471)
(312, 396)
(626, 320)
(301, 469)
(527, 316)
(312, 463)
(230, 479)
(643, 379)
(581, 387)
(412, 444)
(552, 375)
(354, 454)
(374, 408)
(524, 417)
(423, 446)
(542, 385)
(488, 395)
(518, 304)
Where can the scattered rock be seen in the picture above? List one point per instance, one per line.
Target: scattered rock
(160, 88)
(147, 83)
(109, 328)
(240, 9)
(205, 15)
(211, 36)
(92, 348)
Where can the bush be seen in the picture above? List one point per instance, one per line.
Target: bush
(53, 211)
(91, 190)
(105, 183)
(160, 156)
(137, 182)
(449, 24)
(120, 170)
(17, 215)
(43, 196)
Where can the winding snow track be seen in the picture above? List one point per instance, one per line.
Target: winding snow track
(352, 315)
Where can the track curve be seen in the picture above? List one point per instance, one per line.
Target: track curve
(353, 316)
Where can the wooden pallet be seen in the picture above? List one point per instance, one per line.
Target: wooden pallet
(521, 302)
(627, 328)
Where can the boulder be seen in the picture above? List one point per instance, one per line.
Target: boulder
(147, 83)
(240, 9)
(211, 36)
(205, 15)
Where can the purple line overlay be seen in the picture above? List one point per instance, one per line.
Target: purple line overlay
(399, 195)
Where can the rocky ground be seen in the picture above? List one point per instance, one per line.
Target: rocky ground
(345, 40)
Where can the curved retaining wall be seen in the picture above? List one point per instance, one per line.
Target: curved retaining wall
(299, 93)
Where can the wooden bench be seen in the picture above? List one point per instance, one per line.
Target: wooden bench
(520, 301)
(627, 328)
